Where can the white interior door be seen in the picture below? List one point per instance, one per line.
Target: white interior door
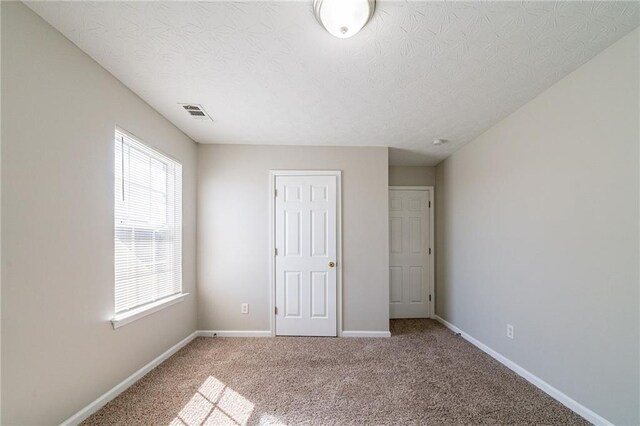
(305, 262)
(409, 258)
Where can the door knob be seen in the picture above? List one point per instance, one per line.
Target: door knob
(332, 264)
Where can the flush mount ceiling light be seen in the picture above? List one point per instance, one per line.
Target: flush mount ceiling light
(439, 141)
(343, 18)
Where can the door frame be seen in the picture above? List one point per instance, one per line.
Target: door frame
(272, 241)
(431, 261)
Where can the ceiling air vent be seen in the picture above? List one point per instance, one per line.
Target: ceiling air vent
(196, 111)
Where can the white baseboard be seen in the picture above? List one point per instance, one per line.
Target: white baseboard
(366, 333)
(234, 333)
(122, 386)
(536, 381)
(267, 333)
(126, 383)
(559, 396)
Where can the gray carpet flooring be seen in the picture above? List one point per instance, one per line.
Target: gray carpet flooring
(423, 374)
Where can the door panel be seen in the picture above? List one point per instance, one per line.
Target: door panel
(416, 282)
(395, 281)
(319, 233)
(293, 233)
(415, 235)
(395, 239)
(292, 294)
(409, 261)
(319, 294)
(306, 243)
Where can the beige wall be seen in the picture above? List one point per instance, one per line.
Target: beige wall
(538, 227)
(59, 350)
(412, 176)
(233, 232)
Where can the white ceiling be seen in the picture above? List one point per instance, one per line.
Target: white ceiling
(269, 74)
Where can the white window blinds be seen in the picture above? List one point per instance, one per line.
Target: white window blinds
(148, 225)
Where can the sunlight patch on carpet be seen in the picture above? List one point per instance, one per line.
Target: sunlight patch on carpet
(217, 404)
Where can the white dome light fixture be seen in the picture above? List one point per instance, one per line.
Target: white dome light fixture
(343, 18)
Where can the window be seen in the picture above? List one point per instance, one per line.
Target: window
(148, 229)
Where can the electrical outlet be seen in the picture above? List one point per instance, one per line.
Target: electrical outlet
(509, 331)
(244, 308)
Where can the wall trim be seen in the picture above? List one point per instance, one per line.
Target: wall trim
(346, 333)
(102, 400)
(234, 333)
(556, 394)
(141, 312)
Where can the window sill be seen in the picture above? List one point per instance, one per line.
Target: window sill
(128, 317)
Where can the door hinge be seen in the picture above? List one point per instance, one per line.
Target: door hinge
(429, 250)
(429, 298)
(429, 204)
(276, 251)
(275, 192)
(276, 310)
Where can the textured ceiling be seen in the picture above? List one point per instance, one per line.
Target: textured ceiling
(269, 74)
